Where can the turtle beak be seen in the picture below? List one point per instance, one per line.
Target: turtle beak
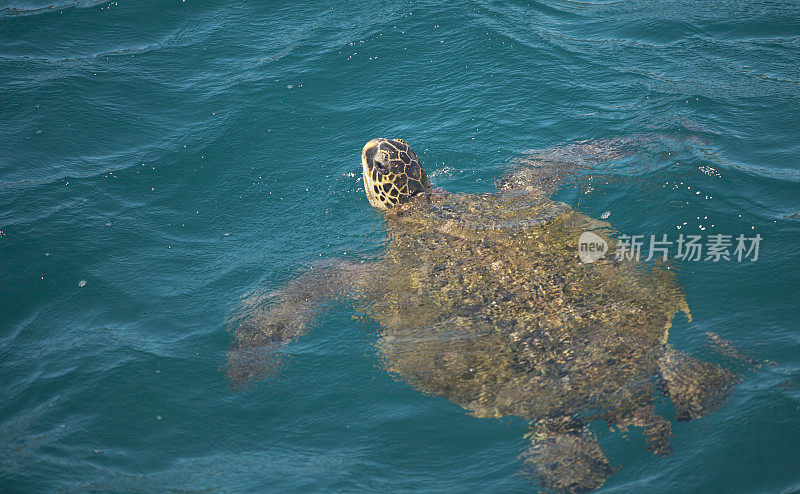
(371, 157)
(369, 152)
(373, 143)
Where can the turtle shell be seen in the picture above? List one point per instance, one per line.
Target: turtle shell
(485, 300)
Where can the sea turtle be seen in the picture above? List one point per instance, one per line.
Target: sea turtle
(483, 299)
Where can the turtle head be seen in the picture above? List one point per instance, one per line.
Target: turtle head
(392, 174)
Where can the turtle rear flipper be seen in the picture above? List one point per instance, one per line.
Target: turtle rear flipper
(729, 350)
(565, 456)
(656, 429)
(695, 387)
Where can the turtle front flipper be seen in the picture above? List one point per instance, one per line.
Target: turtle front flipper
(566, 456)
(695, 387)
(265, 323)
(540, 172)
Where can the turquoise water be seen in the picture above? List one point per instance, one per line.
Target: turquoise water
(161, 160)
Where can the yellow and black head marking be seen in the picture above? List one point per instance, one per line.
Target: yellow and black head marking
(392, 174)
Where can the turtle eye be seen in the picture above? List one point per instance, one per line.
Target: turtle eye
(382, 165)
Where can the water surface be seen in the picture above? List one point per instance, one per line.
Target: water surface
(160, 160)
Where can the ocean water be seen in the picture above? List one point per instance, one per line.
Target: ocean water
(161, 160)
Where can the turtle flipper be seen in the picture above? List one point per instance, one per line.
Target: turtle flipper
(565, 455)
(541, 171)
(695, 387)
(264, 324)
(657, 430)
(729, 350)
(253, 355)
